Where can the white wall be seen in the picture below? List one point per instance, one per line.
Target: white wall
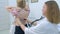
(4, 18)
(4, 15)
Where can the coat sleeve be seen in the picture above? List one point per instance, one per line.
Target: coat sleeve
(39, 29)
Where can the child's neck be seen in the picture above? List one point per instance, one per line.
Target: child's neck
(23, 21)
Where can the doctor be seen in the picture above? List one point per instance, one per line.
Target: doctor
(49, 24)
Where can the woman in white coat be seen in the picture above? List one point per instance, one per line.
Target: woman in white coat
(48, 25)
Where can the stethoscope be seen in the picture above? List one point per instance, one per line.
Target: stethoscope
(30, 24)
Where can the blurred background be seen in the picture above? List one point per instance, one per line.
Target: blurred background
(6, 18)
